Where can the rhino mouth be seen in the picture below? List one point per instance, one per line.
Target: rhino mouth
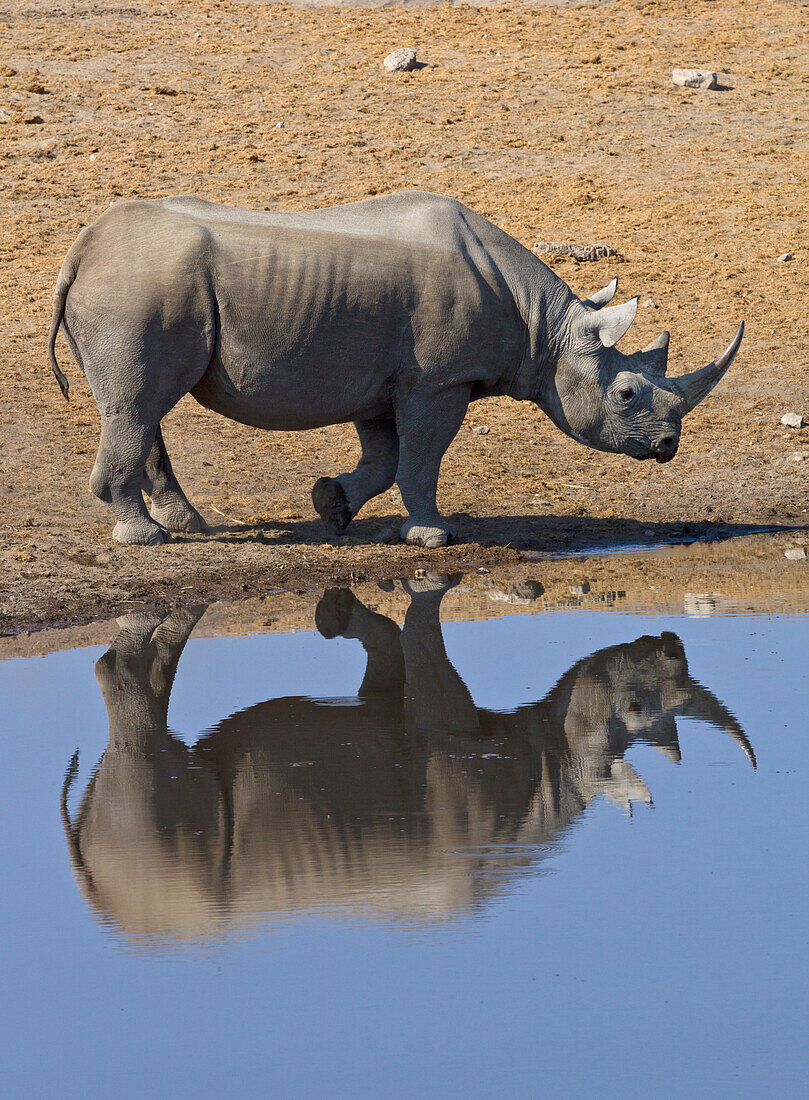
(658, 456)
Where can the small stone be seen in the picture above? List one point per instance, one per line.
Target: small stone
(33, 120)
(579, 589)
(795, 553)
(280, 125)
(713, 255)
(527, 590)
(482, 429)
(800, 456)
(650, 303)
(694, 78)
(784, 258)
(483, 571)
(793, 420)
(401, 60)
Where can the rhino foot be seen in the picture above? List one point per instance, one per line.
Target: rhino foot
(140, 532)
(331, 503)
(426, 535)
(179, 516)
(431, 582)
(333, 612)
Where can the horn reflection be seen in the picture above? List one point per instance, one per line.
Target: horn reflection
(406, 801)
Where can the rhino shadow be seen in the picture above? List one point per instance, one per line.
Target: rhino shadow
(405, 801)
(542, 533)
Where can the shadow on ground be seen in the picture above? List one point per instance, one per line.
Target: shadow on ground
(542, 534)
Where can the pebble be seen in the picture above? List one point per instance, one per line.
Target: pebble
(793, 420)
(784, 258)
(694, 78)
(482, 429)
(650, 303)
(800, 456)
(401, 60)
(795, 553)
(713, 256)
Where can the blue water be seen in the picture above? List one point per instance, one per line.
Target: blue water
(391, 903)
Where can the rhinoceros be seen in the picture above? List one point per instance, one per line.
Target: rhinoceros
(407, 799)
(394, 313)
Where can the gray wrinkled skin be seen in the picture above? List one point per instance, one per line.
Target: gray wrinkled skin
(393, 313)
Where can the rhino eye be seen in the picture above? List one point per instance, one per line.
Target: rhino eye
(626, 393)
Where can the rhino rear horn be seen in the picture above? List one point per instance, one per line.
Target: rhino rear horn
(656, 355)
(601, 297)
(612, 322)
(692, 388)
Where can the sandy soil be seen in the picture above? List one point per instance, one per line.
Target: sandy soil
(558, 123)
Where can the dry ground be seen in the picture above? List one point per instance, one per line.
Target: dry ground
(558, 123)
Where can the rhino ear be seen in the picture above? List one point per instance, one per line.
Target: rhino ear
(656, 355)
(601, 297)
(611, 323)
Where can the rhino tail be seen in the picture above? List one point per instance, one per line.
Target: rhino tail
(63, 285)
(67, 825)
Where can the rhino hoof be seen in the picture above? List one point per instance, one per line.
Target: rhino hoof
(333, 613)
(431, 538)
(331, 503)
(140, 533)
(176, 517)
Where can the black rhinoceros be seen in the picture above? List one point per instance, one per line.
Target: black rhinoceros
(393, 313)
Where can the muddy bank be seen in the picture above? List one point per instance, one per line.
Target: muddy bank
(749, 575)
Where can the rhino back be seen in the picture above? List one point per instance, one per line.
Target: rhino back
(323, 314)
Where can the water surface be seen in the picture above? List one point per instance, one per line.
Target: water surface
(540, 852)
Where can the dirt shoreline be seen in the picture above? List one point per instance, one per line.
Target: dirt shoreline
(558, 123)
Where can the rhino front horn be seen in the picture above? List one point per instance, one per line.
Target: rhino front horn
(692, 388)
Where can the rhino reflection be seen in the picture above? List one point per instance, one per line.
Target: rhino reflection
(408, 800)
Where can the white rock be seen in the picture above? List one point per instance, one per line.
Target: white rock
(784, 258)
(650, 303)
(795, 553)
(401, 60)
(482, 429)
(793, 420)
(694, 78)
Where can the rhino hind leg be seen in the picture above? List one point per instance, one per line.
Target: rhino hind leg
(116, 479)
(338, 499)
(170, 506)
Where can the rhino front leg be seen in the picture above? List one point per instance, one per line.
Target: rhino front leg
(428, 423)
(170, 506)
(338, 499)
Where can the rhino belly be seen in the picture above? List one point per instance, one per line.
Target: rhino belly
(296, 392)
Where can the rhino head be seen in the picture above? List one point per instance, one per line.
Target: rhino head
(616, 402)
